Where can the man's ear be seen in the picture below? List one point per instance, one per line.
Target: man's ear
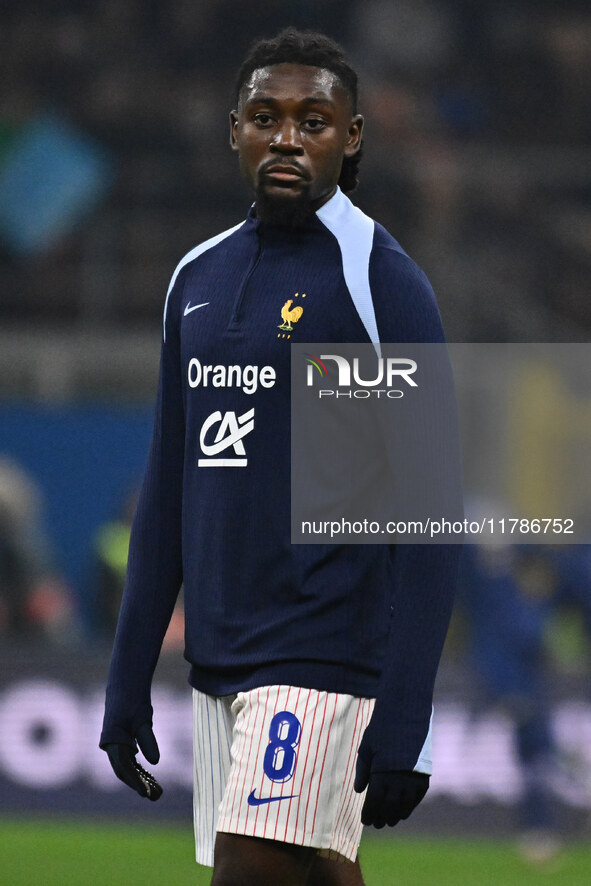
(233, 126)
(354, 135)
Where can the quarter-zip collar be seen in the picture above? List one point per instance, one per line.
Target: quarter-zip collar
(331, 210)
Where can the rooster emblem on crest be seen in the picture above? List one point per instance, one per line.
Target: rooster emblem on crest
(290, 315)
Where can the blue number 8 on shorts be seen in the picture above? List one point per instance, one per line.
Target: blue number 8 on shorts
(280, 755)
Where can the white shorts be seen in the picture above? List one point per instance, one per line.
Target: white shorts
(278, 762)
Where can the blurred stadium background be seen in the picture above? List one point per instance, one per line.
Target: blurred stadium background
(113, 163)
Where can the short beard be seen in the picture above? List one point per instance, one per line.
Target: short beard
(289, 212)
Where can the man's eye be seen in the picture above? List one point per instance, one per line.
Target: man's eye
(262, 119)
(314, 123)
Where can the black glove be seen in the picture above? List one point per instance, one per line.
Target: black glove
(391, 796)
(125, 766)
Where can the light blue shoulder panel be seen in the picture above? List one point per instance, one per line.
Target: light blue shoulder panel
(354, 232)
(194, 253)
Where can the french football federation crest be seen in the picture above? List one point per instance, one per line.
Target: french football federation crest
(290, 315)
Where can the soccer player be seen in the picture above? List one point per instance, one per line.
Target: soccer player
(312, 666)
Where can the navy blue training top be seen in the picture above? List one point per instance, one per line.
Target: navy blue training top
(214, 510)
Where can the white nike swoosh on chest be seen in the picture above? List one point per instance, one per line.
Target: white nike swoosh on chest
(188, 309)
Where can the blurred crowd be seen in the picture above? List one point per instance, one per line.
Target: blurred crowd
(522, 618)
(35, 601)
(476, 156)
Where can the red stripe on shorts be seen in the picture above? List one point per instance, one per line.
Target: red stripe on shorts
(350, 762)
(262, 782)
(293, 777)
(334, 713)
(310, 734)
(302, 721)
(350, 821)
(315, 760)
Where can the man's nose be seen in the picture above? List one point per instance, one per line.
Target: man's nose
(287, 139)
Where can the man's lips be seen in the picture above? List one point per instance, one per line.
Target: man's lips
(283, 173)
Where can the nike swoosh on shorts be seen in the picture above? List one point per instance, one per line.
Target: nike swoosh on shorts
(258, 801)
